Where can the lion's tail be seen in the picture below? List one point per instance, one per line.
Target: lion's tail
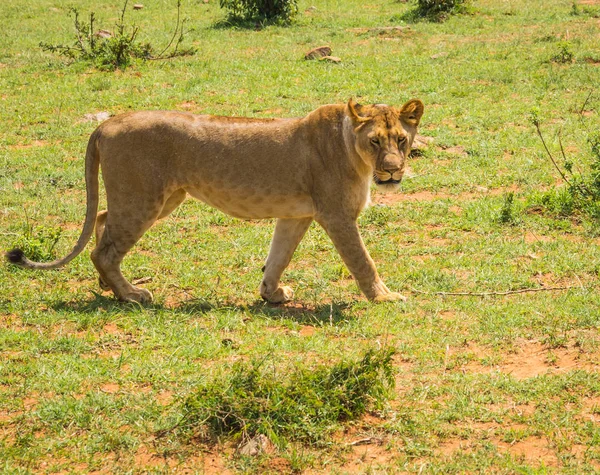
(92, 165)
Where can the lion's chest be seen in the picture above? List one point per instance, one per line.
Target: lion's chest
(247, 203)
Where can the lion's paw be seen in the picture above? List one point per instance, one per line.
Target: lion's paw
(138, 295)
(390, 297)
(281, 295)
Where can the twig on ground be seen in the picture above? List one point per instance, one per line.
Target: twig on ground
(492, 294)
(446, 357)
(585, 103)
(539, 132)
(366, 441)
(161, 55)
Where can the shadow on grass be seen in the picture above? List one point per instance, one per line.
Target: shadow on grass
(109, 304)
(330, 313)
(99, 302)
(327, 313)
(256, 24)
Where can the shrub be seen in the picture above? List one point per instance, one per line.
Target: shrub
(38, 243)
(582, 192)
(507, 213)
(254, 400)
(260, 10)
(439, 10)
(564, 53)
(116, 50)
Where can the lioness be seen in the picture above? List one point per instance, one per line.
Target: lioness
(317, 167)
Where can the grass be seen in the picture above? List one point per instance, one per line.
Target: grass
(305, 405)
(506, 384)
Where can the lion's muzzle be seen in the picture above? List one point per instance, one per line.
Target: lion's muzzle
(391, 171)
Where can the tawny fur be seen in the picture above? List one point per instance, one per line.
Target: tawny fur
(318, 167)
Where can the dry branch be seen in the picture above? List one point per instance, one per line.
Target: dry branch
(493, 294)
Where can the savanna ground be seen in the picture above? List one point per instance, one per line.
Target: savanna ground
(503, 384)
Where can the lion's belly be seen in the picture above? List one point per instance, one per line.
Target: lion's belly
(246, 204)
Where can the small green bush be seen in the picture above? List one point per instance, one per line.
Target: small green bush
(305, 406)
(439, 10)
(582, 191)
(507, 213)
(556, 201)
(108, 50)
(564, 53)
(260, 10)
(38, 243)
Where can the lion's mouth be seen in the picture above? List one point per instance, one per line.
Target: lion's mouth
(379, 181)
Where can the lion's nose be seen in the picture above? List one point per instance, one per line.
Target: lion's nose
(392, 164)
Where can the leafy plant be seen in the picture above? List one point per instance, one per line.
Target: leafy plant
(564, 54)
(583, 181)
(254, 400)
(438, 10)
(260, 10)
(116, 50)
(38, 242)
(507, 212)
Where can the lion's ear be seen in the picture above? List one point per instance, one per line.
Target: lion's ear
(351, 111)
(412, 111)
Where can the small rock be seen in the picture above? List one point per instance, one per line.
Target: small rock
(97, 117)
(331, 59)
(457, 150)
(103, 34)
(257, 445)
(138, 6)
(317, 53)
(481, 189)
(421, 142)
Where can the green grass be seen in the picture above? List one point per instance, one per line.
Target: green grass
(505, 384)
(305, 405)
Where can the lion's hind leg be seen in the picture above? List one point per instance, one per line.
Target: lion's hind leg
(287, 236)
(124, 224)
(100, 223)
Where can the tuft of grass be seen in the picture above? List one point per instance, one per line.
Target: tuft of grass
(38, 242)
(304, 406)
(438, 10)
(507, 212)
(584, 10)
(564, 53)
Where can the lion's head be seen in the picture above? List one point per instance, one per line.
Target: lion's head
(383, 138)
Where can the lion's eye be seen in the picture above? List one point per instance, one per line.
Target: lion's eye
(401, 140)
(375, 141)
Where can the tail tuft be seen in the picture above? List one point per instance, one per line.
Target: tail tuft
(16, 256)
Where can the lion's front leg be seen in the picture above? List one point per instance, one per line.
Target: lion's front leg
(287, 236)
(347, 240)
